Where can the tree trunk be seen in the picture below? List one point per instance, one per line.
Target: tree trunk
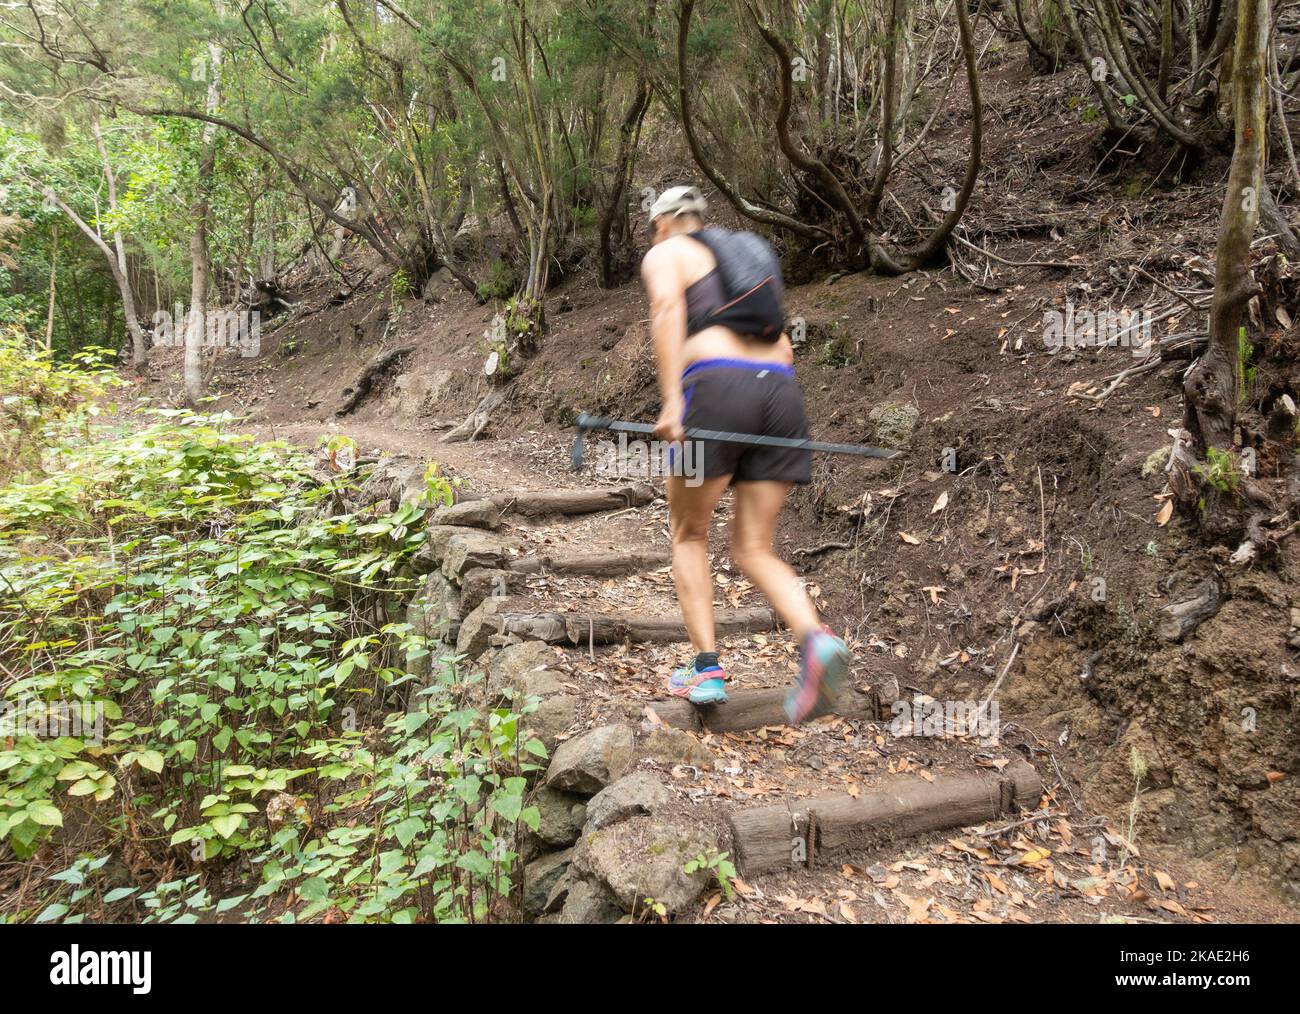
(115, 255)
(54, 261)
(192, 371)
(1212, 385)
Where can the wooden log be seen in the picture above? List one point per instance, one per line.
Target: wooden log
(615, 628)
(754, 708)
(574, 501)
(798, 832)
(594, 564)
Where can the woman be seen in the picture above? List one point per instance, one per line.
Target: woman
(712, 377)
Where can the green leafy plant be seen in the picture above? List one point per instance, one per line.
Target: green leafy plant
(717, 863)
(500, 283)
(1246, 373)
(440, 490)
(1219, 470)
(203, 592)
(44, 401)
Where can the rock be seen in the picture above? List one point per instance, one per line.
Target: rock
(432, 613)
(638, 793)
(540, 876)
(895, 422)
(412, 396)
(552, 719)
(467, 514)
(439, 286)
(587, 903)
(646, 857)
(561, 816)
(666, 746)
(483, 582)
(421, 616)
(409, 485)
(443, 596)
(524, 667)
(582, 764)
(559, 895)
(589, 762)
(541, 683)
(436, 537)
(477, 628)
(473, 547)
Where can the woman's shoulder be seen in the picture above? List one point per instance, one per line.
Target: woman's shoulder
(685, 257)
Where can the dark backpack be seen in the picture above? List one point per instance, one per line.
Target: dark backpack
(751, 279)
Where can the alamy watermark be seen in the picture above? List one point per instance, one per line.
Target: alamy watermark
(651, 459)
(222, 329)
(1074, 328)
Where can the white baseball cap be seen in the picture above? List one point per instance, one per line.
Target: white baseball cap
(678, 201)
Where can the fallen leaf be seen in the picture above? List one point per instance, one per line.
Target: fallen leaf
(941, 503)
(1166, 512)
(911, 540)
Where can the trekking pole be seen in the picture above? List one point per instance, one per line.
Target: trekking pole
(586, 423)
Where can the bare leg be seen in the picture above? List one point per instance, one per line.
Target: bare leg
(691, 512)
(758, 504)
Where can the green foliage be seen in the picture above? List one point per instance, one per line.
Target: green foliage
(400, 285)
(1220, 470)
(191, 586)
(1246, 373)
(440, 491)
(500, 283)
(524, 321)
(40, 397)
(717, 863)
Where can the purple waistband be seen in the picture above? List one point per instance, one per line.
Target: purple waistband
(739, 364)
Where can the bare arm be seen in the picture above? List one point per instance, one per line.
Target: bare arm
(668, 332)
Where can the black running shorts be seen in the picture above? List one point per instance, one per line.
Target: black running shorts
(741, 396)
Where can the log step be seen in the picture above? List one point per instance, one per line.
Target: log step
(593, 564)
(755, 708)
(800, 832)
(583, 500)
(615, 628)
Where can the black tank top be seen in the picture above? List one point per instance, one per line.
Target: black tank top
(703, 298)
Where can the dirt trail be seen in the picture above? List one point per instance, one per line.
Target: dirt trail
(1066, 866)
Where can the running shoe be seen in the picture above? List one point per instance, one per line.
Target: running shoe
(824, 661)
(699, 686)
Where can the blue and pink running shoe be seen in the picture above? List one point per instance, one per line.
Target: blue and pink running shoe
(699, 686)
(823, 664)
